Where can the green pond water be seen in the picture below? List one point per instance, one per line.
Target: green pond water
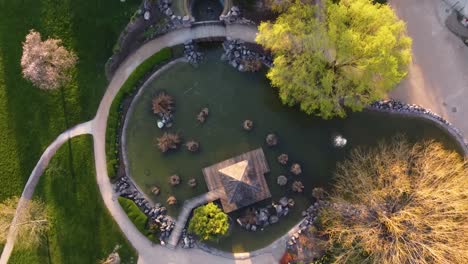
(232, 97)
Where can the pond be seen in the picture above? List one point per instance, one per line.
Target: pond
(232, 97)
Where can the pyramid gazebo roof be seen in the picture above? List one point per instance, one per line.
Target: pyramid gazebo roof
(240, 181)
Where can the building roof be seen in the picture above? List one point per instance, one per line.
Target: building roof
(240, 181)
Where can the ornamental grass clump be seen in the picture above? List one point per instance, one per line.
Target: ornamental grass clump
(168, 141)
(163, 103)
(400, 203)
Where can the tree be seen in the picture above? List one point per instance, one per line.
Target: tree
(46, 64)
(280, 6)
(344, 55)
(400, 203)
(209, 222)
(31, 223)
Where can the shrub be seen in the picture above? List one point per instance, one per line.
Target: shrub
(400, 203)
(209, 222)
(115, 111)
(138, 218)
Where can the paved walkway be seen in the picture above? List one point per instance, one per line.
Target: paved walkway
(28, 191)
(189, 205)
(438, 76)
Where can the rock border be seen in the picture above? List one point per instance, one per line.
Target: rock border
(411, 110)
(125, 186)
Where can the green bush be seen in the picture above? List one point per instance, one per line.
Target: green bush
(113, 121)
(209, 222)
(138, 218)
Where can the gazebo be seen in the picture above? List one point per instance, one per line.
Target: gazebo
(239, 181)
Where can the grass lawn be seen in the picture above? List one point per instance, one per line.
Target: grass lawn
(82, 231)
(30, 119)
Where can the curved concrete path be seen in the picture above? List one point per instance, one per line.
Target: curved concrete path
(183, 216)
(28, 191)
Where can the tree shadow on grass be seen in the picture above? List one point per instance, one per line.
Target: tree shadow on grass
(82, 230)
(26, 128)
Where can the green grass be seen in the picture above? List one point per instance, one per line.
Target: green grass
(82, 231)
(30, 119)
(113, 122)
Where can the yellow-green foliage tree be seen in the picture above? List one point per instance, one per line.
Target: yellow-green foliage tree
(209, 222)
(345, 54)
(400, 203)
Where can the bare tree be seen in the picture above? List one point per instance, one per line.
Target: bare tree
(400, 203)
(46, 64)
(31, 222)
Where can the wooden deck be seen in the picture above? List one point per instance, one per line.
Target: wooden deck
(257, 163)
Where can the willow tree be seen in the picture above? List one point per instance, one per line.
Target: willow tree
(343, 55)
(400, 203)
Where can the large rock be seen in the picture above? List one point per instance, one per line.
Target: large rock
(168, 12)
(279, 209)
(283, 201)
(274, 219)
(147, 15)
(262, 217)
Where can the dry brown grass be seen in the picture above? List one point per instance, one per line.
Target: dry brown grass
(401, 203)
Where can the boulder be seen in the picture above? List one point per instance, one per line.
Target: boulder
(273, 219)
(168, 12)
(262, 217)
(147, 15)
(283, 201)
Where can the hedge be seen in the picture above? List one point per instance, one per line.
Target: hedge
(113, 121)
(138, 218)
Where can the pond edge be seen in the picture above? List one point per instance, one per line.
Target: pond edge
(392, 107)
